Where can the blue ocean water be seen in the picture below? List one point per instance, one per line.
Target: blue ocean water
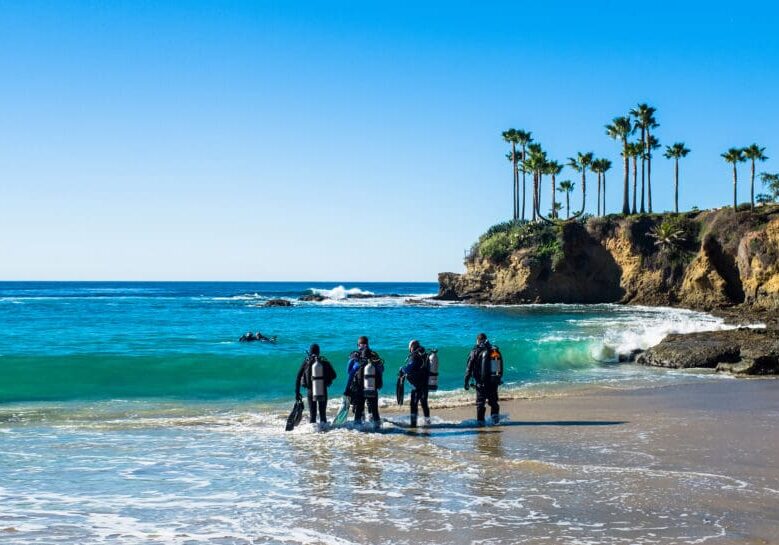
(130, 413)
(133, 340)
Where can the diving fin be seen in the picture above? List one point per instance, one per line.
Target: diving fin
(400, 389)
(343, 413)
(295, 416)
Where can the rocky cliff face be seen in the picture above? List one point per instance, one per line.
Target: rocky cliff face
(724, 258)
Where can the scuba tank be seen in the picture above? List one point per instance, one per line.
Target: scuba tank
(496, 362)
(369, 379)
(432, 374)
(317, 378)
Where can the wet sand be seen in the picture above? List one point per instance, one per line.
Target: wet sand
(689, 463)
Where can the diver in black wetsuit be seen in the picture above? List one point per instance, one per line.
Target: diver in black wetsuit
(316, 374)
(417, 374)
(365, 369)
(485, 366)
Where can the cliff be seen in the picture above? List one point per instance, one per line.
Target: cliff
(703, 260)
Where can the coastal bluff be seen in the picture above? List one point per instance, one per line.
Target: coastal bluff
(706, 260)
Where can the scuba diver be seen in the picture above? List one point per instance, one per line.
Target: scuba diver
(485, 366)
(365, 370)
(249, 336)
(246, 337)
(316, 374)
(417, 372)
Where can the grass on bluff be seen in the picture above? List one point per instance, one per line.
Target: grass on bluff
(502, 239)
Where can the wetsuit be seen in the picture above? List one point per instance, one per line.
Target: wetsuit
(355, 385)
(318, 403)
(417, 374)
(486, 382)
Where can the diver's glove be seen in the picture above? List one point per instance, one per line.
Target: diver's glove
(467, 384)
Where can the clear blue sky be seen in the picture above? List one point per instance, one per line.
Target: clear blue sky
(341, 140)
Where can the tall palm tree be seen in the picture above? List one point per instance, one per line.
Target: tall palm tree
(620, 129)
(676, 152)
(754, 153)
(566, 186)
(581, 163)
(644, 116)
(605, 166)
(523, 139)
(634, 151)
(553, 168)
(652, 143)
(734, 156)
(534, 163)
(596, 168)
(510, 136)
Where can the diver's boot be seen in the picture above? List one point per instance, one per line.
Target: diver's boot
(413, 423)
(427, 421)
(496, 419)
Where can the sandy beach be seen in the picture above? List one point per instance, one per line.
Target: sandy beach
(691, 463)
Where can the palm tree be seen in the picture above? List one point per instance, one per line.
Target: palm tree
(553, 168)
(754, 153)
(733, 156)
(676, 152)
(534, 163)
(566, 186)
(581, 163)
(596, 168)
(554, 211)
(634, 150)
(523, 139)
(620, 129)
(605, 166)
(652, 143)
(510, 136)
(645, 120)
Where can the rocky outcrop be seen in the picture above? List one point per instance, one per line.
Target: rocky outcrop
(726, 258)
(741, 351)
(277, 303)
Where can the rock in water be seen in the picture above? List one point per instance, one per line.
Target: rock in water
(312, 297)
(743, 351)
(278, 303)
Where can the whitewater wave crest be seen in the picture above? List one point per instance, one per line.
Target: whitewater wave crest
(340, 293)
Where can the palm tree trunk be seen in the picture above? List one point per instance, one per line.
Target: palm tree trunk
(535, 194)
(643, 167)
(523, 183)
(554, 187)
(752, 188)
(568, 205)
(516, 177)
(676, 185)
(599, 193)
(635, 182)
(626, 192)
(735, 183)
(603, 208)
(649, 171)
(584, 189)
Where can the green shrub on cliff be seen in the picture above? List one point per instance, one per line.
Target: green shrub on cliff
(496, 247)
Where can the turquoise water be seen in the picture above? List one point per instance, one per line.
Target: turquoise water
(130, 414)
(98, 341)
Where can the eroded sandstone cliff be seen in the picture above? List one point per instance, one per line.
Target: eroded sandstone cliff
(718, 258)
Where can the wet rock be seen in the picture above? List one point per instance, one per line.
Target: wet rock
(631, 357)
(312, 297)
(277, 303)
(742, 351)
